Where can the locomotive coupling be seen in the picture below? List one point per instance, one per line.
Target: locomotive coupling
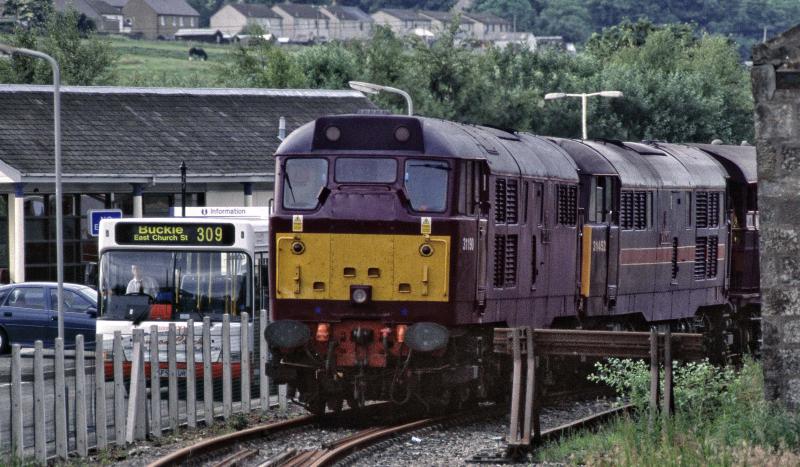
(426, 337)
(287, 334)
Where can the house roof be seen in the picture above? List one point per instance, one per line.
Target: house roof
(255, 10)
(116, 133)
(81, 6)
(405, 15)
(117, 3)
(486, 18)
(105, 8)
(298, 10)
(172, 7)
(348, 13)
(445, 16)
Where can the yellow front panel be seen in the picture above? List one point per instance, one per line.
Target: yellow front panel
(391, 264)
(586, 261)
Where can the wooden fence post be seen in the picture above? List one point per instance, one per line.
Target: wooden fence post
(81, 425)
(227, 392)
(191, 381)
(244, 351)
(61, 401)
(39, 427)
(155, 384)
(120, 423)
(172, 369)
(17, 420)
(136, 428)
(653, 378)
(208, 382)
(668, 406)
(100, 421)
(263, 384)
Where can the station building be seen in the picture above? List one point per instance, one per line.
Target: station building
(123, 147)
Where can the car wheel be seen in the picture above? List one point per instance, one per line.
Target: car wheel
(3, 342)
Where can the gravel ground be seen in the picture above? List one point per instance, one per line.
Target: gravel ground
(432, 447)
(456, 445)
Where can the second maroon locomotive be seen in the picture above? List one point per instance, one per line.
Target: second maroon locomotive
(399, 243)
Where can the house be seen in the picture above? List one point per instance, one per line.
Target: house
(303, 23)
(348, 22)
(159, 19)
(404, 22)
(122, 148)
(441, 20)
(487, 23)
(106, 17)
(236, 17)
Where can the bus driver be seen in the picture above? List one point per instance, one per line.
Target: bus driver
(141, 284)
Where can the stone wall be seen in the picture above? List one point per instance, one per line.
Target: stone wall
(776, 89)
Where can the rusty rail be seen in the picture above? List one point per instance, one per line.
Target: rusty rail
(525, 344)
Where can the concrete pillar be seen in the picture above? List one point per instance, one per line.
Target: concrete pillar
(138, 208)
(774, 76)
(16, 234)
(248, 194)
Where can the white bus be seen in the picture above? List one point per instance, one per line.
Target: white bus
(157, 271)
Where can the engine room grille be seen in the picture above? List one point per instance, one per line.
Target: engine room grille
(713, 209)
(500, 201)
(512, 201)
(701, 209)
(499, 260)
(511, 262)
(566, 199)
(674, 258)
(506, 201)
(626, 210)
(505, 261)
(700, 257)
(711, 269)
(640, 210)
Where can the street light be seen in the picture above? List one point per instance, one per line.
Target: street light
(584, 98)
(9, 50)
(369, 88)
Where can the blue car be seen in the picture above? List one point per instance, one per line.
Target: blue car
(28, 312)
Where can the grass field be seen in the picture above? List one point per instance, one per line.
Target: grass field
(165, 63)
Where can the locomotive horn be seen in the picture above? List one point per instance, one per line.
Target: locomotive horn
(427, 337)
(287, 334)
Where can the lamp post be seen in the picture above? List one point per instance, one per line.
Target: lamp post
(370, 88)
(584, 101)
(7, 49)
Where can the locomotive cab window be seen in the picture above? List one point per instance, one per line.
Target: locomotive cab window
(365, 170)
(426, 184)
(303, 179)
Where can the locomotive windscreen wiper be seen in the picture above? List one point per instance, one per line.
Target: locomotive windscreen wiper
(289, 185)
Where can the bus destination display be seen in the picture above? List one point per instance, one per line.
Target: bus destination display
(175, 234)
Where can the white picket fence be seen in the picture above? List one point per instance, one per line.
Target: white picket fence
(79, 408)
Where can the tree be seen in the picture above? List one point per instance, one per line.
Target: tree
(328, 66)
(31, 13)
(519, 11)
(260, 64)
(567, 18)
(83, 62)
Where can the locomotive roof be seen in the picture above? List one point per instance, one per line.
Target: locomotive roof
(506, 153)
(641, 165)
(742, 158)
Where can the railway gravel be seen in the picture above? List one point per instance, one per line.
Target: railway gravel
(454, 446)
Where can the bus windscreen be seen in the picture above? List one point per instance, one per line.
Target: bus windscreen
(174, 285)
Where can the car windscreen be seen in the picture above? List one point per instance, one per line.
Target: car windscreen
(174, 285)
(365, 170)
(303, 179)
(426, 184)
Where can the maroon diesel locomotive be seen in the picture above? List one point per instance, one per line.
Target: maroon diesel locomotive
(399, 243)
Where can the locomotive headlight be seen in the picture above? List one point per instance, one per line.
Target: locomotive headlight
(426, 249)
(360, 294)
(298, 247)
